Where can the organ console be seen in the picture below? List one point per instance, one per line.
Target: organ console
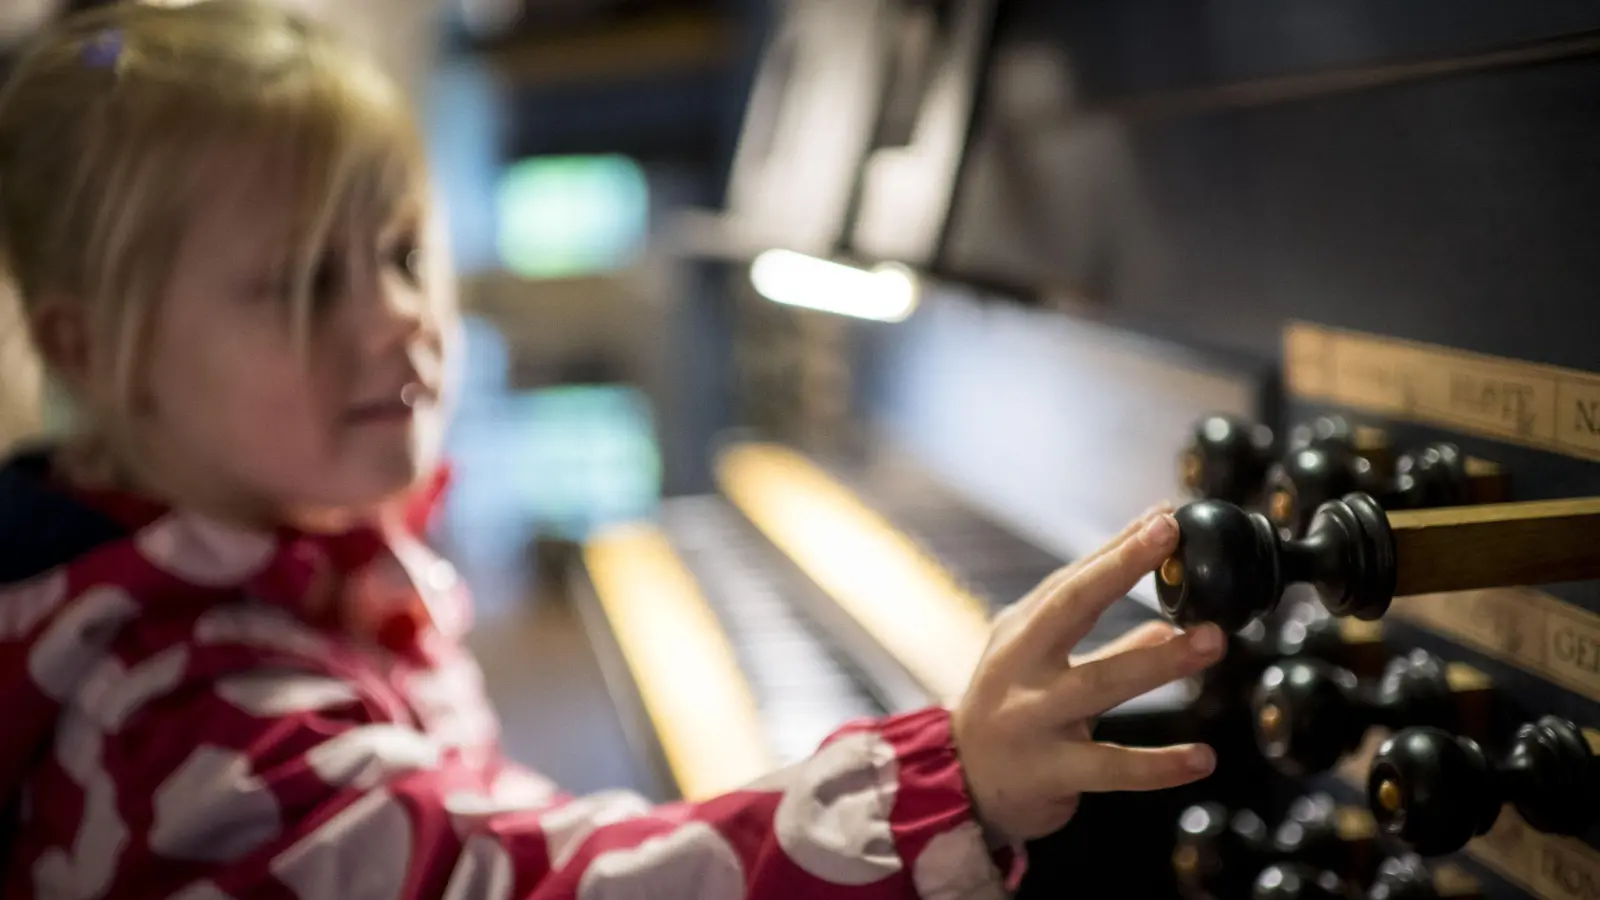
(1232, 566)
(1435, 475)
(1348, 476)
(1436, 791)
(1309, 714)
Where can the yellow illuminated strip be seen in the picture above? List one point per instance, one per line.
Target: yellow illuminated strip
(905, 601)
(688, 678)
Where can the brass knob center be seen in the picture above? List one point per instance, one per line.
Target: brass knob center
(1389, 796)
(1270, 719)
(1186, 860)
(1191, 469)
(1282, 506)
(1172, 571)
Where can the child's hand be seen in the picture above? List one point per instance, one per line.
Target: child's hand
(1023, 727)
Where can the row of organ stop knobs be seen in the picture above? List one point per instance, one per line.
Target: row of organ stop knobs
(1335, 514)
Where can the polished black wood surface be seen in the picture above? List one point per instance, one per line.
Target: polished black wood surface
(1436, 790)
(1310, 714)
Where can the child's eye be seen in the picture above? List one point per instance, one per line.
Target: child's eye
(407, 260)
(325, 283)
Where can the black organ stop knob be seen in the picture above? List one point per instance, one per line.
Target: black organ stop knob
(1350, 643)
(1439, 474)
(1409, 878)
(1320, 832)
(1218, 854)
(1436, 791)
(1232, 566)
(1227, 459)
(1308, 478)
(1435, 475)
(1337, 431)
(1309, 714)
(1297, 881)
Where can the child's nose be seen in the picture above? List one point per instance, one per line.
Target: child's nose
(392, 314)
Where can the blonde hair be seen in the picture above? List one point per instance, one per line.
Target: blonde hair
(108, 118)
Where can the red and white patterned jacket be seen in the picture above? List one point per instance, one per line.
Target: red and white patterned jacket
(179, 723)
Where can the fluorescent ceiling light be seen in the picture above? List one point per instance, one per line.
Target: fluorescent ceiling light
(887, 293)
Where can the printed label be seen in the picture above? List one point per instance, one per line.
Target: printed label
(1522, 627)
(1539, 406)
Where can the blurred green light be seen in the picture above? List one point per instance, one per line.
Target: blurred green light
(587, 456)
(566, 216)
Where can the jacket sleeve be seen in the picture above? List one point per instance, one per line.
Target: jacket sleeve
(276, 783)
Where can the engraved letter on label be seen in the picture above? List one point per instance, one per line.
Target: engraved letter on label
(1580, 651)
(1506, 402)
(1587, 420)
(1579, 420)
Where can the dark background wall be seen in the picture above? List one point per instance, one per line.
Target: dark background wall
(1458, 209)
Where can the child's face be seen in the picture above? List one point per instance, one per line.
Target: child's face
(240, 418)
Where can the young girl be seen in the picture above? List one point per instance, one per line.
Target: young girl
(228, 666)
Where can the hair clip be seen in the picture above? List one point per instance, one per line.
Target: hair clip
(104, 49)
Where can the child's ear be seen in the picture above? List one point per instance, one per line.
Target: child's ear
(60, 330)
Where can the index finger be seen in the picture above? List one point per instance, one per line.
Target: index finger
(1054, 580)
(1065, 615)
(1150, 634)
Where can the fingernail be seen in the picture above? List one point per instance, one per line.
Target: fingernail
(1201, 759)
(1159, 531)
(1206, 640)
(1164, 506)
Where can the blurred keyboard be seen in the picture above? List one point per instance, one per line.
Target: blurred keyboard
(908, 573)
(983, 555)
(716, 671)
(804, 686)
(742, 628)
(989, 558)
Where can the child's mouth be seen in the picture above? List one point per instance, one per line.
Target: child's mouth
(379, 413)
(401, 408)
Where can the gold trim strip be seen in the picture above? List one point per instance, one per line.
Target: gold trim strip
(687, 675)
(912, 606)
(1544, 407)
